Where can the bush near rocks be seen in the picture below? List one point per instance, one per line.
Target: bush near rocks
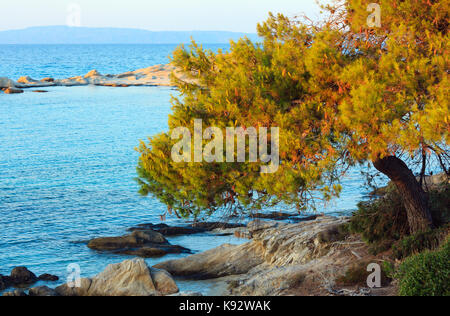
(426, 274)
(383, 222)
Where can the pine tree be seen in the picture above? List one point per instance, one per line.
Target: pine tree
(341, 92)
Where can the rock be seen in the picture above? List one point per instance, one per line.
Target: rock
(5, 282)
(260, 225)
(219, 262)
(242, 234)
(146, 244)
(42, 291)
(70, 290)
(128, 241)
(280, 257)
(40, 91)
(129, 278)
(163, 281)
(48, 80)
(268, 281)
(22, 276)
(15, 293)
(6, 83)
(13, 91)
(92, 73)
(332, 234)
(48, 277)
(26, 80)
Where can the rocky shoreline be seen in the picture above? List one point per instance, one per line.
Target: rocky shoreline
(158, 75)
(280, 258)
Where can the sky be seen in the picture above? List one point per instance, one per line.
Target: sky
(153, 15)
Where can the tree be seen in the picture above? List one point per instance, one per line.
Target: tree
(341, 92)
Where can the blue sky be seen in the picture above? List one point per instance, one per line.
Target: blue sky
(167, 15)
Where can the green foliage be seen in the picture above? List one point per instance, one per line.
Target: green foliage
(340, 92)
(419, 242)
(383, 223)
(426, 274)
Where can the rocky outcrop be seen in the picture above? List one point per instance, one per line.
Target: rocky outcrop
(279, 258)
(129, 278)
(219, 262)
(159, 75)
(145, 244)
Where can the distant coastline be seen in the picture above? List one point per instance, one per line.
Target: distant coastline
(87, 35)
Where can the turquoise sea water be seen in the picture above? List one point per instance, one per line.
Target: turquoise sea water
(67, 160)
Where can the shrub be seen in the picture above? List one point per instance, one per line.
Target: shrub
(426, 274)
(383, 222)
(417, 243)
(380, 221)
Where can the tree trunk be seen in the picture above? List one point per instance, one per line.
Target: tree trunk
(413, 195)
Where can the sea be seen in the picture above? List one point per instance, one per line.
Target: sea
(68, 161)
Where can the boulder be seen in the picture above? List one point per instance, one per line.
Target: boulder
(48, 80)
(15, 293)
(6, 83)
(13, 90)
(163, 281)
(42, 291)
(48, 277)
(40, 91)
(22, 276)
(129, 278)
(145, 244)
(223, 261)
(128, 241)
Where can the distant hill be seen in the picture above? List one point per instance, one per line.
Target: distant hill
(87, 35)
